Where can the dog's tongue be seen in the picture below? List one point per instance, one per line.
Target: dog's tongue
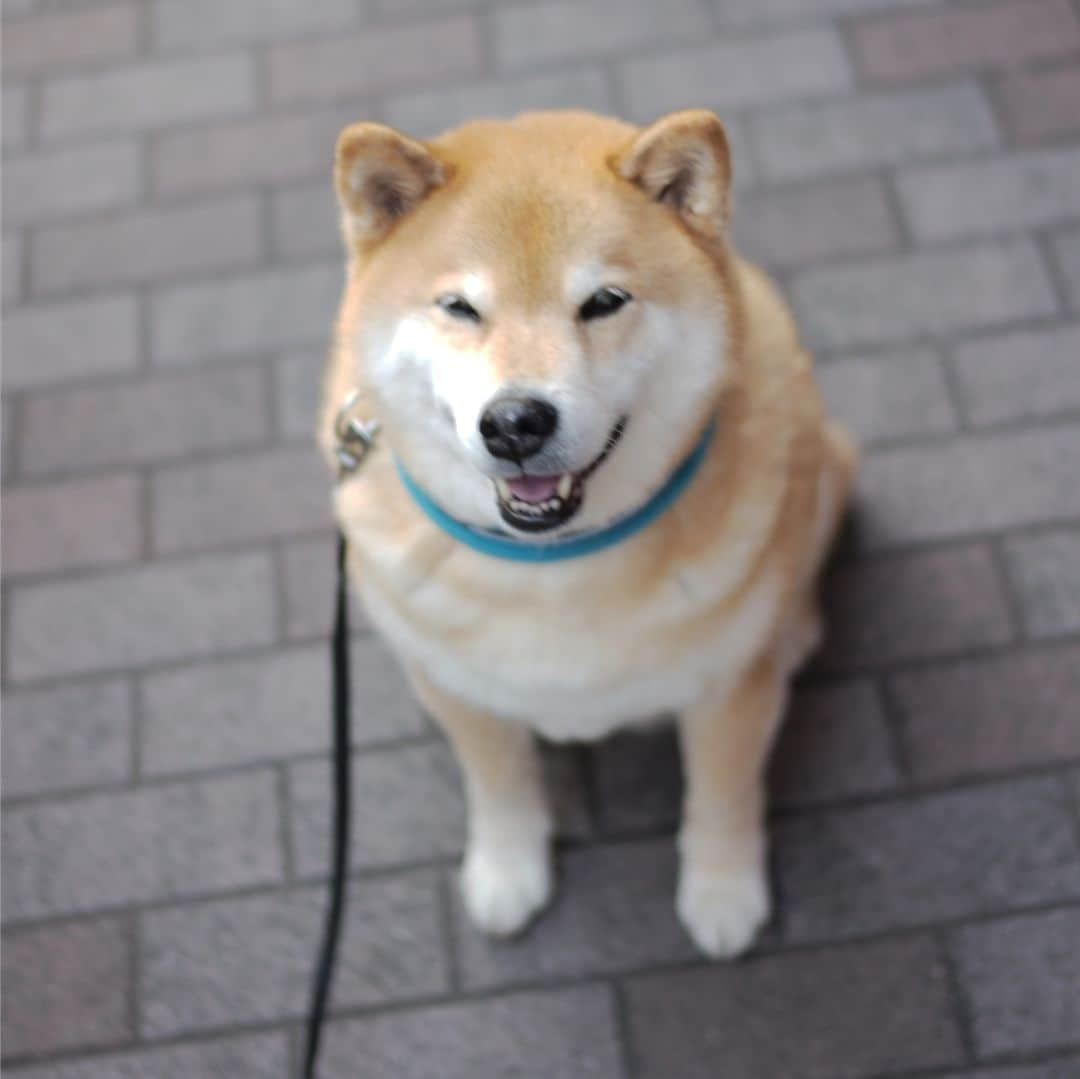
(533, 488)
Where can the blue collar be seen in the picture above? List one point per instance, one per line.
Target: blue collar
(503, 545)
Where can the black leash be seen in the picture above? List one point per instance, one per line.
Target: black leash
(339, 872)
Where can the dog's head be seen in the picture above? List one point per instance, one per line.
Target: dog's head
(544, 313)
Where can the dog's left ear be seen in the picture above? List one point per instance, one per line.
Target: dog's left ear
(380, 175)
(683, 160)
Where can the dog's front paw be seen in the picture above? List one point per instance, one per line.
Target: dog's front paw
(723, 912)
(504, 889)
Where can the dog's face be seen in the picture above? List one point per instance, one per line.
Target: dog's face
(543, 313)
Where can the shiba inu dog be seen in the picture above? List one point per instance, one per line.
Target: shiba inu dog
(603, 485)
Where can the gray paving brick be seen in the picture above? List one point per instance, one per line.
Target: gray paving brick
(66, 987)
(306, 221)
(990, 714)
(815, 139)
(928, 292)
(75, 523)
(252, 1056)
(249, 960)
(834, 743)
(1041, 105)
(743, 171)
(273, 148)
(40, 187)
(1020, 375)
(727, 75)
(637, 776)
(1020, 978)
(308, 572)
(277, 492)
(407, 806)
(12, 246)
(836, 1014)
(392, 9)
(432, 111)
(297, 390)
(210, 24)
(982, 197)
(240, 315)
(615, 911)
(380, 59)
(66, 737)
(1066, 246)
(137, 616)
(942, 856)
(1045, 570)
(739, 13)
(569, 1034)
(908, 46)
(148, 95)
(971, 485)
(47, 344)
(147, 245)
(16, 102)
(912, 607)
(273, 706)
(152, 419)
(1059, 1068)
(7, 423)
(798, 225)
(526, 36)
(898, 395)
(567, 790)
(62, 40)
(160, 842)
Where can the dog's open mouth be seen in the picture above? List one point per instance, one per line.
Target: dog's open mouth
(538, 503)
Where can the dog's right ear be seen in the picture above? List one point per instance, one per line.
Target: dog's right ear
(380, 175)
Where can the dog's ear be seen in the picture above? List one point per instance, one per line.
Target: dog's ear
(683, 160)
(380, 175)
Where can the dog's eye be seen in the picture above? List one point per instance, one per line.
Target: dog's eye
(459, 307)
(603, 302)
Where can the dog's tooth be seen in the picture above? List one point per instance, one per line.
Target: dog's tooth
(503, 488)
(565, 484)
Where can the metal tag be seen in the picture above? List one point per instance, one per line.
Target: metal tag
(354, 436)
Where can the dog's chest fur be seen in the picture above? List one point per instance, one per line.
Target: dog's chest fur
(572, 649)
(572, 680)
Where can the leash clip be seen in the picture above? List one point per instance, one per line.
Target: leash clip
(354, 437)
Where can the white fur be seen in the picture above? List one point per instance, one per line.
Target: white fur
(723, 911)
(566, 684)
(506, 875)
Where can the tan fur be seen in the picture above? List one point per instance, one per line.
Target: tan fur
(731, 566)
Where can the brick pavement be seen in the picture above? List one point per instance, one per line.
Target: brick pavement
(910, 171)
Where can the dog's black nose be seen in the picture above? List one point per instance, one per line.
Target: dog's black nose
(517, 427)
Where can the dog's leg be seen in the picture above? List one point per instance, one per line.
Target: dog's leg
(723, 894)
(506, 874)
